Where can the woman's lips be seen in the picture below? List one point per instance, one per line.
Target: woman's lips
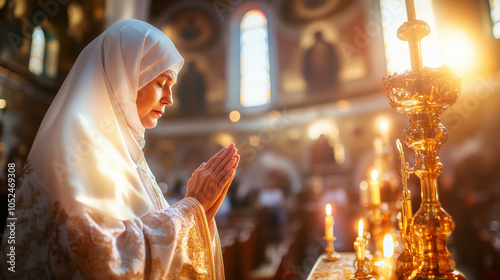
(159, 113)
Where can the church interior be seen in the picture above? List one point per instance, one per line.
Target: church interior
(298, 86)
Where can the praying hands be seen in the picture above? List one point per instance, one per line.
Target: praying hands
(210, 181)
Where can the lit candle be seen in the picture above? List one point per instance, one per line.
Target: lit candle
(388, 246)
(364, 194)
(387, 265)
(375, 188)
(384, 129)
(360, 244)
(329, 222)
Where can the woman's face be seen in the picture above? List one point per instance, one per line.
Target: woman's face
(154, 97)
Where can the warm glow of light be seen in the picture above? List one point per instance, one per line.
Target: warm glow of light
(339, 152)
(363, 185)
(384, 126)
(323, 127)
(234, 116)
(255, 80)
(343, 105)
(223, 139)
(388, 246)
(3, 103)
(384, 132)
(274, 115)
(374, 175)
(397, 54)
(360, 228)
(254, 140)
(328, 209)
(459, 52)
(294, 134)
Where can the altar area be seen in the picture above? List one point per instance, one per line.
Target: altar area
(420, 239)
(341, 269)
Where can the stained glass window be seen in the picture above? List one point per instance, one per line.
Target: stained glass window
(255, 81)
(37, 51)
(495, 17)
(397, 54)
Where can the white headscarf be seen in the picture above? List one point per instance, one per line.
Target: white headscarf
(91, 138)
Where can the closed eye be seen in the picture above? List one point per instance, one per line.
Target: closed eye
(162, 86)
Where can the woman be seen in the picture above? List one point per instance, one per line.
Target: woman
(88, 205)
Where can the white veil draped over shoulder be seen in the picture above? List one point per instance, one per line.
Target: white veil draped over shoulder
(91, 138)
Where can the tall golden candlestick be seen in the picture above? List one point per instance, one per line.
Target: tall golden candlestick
(423, 94)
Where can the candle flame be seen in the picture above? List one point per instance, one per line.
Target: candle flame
(388, 246)
(328, 209)
(360, 228)
(374, 174)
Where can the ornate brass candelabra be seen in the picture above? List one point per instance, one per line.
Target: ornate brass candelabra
(423, 94)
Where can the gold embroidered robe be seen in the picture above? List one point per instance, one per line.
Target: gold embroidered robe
(61, 240)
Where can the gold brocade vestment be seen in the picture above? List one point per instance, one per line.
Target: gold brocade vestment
(63, 240)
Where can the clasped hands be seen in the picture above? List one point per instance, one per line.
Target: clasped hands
(211, 180)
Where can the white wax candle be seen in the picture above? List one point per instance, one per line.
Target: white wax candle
(384, 129)
(329, 222)
(364, 193)
(359, 244)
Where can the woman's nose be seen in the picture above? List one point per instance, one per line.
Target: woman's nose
(167, 98)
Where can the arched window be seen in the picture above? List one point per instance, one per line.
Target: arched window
(255, 81)
(37, 51)
(495, 17)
